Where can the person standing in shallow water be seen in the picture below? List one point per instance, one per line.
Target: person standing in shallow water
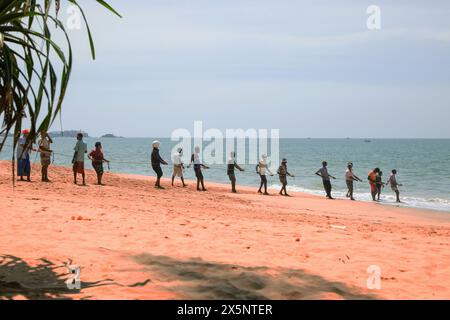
(156, 163)
(80, 150)
(380, 184)
(372, 177)
(232, 164)
(350, 179)
(262, 169)
(394, 184)
(198, 165)
(178, 166)
(97, 158)
(283, 173)
(323, 173)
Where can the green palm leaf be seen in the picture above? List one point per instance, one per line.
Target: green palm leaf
(34, 69)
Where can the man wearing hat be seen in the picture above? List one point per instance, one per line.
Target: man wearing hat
(178, 166)
(156, 163)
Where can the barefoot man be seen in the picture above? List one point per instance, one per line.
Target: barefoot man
(323, 173)
(178, 166)
(350, 179)
(394, 184)
(80, 150)
(24, 148)
(156, 163)
(46, 152)
(283, 173)
(97, 158)
(232, 164)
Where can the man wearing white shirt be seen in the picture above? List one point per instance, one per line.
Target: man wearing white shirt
(178, 166)
(350, 177)
(262, 168)
(323, 173)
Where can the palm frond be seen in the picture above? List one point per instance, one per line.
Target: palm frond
(34, 69)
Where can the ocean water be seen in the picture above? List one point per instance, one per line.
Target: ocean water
(423, 165)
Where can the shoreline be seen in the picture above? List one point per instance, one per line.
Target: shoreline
(435, 213)
(430, 213)
(292, 189)
(133, 241)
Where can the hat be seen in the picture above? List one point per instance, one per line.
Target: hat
(284, 160)
(25, 131)
(156, 144)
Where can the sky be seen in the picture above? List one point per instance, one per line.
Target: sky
(308, 68)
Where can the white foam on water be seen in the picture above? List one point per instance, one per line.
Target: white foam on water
(386, 198)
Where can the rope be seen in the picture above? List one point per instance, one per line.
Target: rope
(70, 157)
(61, 154)
(126, 162)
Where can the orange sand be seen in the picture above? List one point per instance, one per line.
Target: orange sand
(135, 242)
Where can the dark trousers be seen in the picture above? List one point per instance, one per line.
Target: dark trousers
(158, 170)
(199, 175)
(327, 187)
(263, 183)
(159, 173)
(232, 177)
(350, 188)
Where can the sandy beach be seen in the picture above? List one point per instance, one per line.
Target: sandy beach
(135, 242)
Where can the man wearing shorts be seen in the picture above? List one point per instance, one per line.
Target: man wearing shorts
(46, 152)
(178, 166)
(80, 150)
(394, 184)
(350, 178)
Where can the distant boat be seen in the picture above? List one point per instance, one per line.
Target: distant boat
(367, 140)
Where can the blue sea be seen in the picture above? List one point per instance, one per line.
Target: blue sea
(423, 165)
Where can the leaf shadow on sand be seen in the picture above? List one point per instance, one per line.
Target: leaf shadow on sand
(200, 280)
(40, 282)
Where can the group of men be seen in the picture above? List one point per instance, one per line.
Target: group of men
(25, 146)
(262, 168)
(375, 181)
(178, 166)
(96, 156)
(23, 150)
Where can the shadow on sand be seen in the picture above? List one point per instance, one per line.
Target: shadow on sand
(197, 279)
(18, 278)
